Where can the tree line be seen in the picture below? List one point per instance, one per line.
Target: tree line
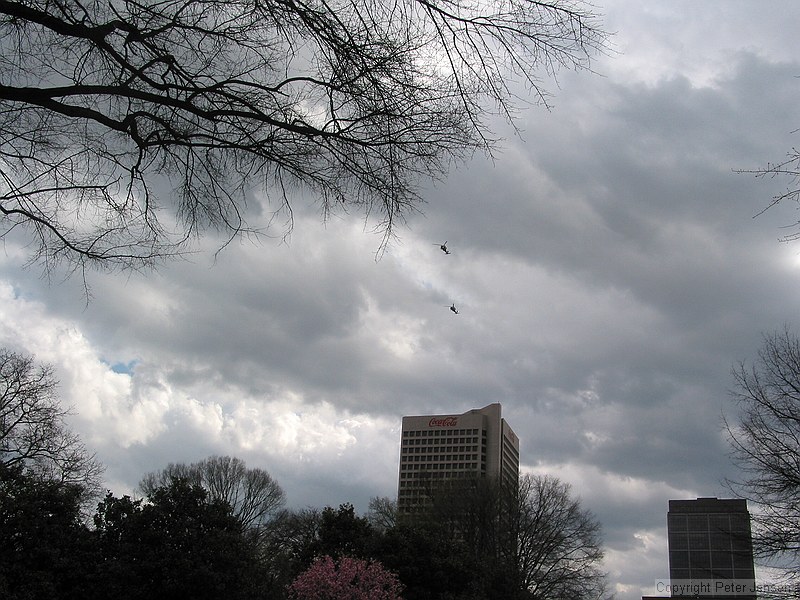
(217, 528)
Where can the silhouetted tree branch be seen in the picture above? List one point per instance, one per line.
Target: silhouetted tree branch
(128, 127)
(788, 169)
(533, 540)
(765, 442)
(33, 431)
(559, 545)
(252, 493)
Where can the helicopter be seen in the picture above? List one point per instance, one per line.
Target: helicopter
(443, 247)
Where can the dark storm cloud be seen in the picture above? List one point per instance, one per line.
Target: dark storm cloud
(607, 268)
(636, 205)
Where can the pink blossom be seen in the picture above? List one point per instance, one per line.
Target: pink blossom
(345, 579)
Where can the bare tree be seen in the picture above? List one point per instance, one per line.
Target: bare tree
(788, 169)
(33, 430)
(535, 537)
(765, 442)
(129, 127)
(252, 493)
(558, 543)
(382, 514)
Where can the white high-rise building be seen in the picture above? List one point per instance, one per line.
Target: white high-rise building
(439, 448)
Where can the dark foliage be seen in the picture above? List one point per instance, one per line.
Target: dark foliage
(45, 550)
(177, 545)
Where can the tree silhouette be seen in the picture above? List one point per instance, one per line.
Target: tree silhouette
(534, 539)
(765, 440)
(46, 551)
(127, 128)
(252, 493)
(33, 429)
(178, 544)
(788, 170)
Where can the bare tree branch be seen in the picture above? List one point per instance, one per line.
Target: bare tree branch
(546, 543)
(33, 432)
(788, 169)
(127, 128)
(252, 493)
(765, 443)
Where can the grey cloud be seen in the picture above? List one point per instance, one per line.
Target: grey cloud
(608, 269)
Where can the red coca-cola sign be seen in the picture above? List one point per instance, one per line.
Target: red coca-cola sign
(443, 422)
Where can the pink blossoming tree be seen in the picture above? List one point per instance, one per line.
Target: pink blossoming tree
(345, 579)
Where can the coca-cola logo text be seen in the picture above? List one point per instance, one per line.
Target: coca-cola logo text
(444, 422)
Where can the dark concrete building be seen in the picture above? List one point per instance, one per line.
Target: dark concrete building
(709, 539)
(710, 545)
(710, 551)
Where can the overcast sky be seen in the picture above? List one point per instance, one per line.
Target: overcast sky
(607, 266)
